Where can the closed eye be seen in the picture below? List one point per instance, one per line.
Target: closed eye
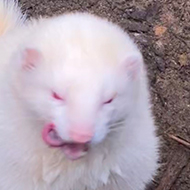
(56, 96)
(109, 101)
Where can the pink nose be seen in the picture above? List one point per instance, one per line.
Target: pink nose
(81, 136)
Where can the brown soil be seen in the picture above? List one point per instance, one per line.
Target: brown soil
(162, 30)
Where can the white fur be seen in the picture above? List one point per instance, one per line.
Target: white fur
(10, 15)
(86, 59)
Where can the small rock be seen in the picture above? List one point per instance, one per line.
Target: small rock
(159, 48)
(183, 59)
(138, 15)
(160, 64)
(159, 30)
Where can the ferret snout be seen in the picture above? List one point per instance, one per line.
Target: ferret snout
(81, 133)
(77, 134)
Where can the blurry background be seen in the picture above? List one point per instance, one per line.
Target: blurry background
(162, 31)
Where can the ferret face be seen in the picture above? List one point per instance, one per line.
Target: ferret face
(72, 97)
(80, 81)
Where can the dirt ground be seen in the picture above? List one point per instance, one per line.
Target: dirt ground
(162, 30)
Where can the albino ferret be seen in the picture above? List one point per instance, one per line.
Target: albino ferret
(75, 112)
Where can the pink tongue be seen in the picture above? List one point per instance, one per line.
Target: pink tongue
(72, 150)
(50, 136)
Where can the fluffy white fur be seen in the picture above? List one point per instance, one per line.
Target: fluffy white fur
(10, 16)
(86, 59)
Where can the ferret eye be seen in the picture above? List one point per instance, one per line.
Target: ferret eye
(109, 101)
(56, 96)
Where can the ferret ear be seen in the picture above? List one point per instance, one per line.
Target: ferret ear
(132, 65)
(30, 59)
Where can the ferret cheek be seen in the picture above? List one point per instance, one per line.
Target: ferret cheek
(99, 136)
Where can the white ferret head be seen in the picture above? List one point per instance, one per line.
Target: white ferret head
(79, 73)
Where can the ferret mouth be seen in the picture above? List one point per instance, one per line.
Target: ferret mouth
(72, 151)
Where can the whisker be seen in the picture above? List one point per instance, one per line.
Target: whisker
(117, 125)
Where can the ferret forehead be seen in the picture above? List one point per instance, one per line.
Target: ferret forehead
(87, 79)
(83, 36)
(93, 84)
(91, 75)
